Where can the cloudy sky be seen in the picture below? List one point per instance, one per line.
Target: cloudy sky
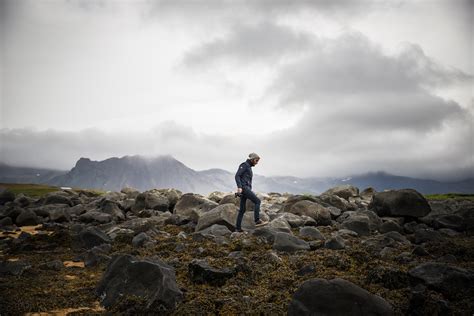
(317, 88)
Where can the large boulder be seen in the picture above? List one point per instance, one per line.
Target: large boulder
(336, 201)
(151, 200)
(151, 280)
(359, 224)
(344, 191)
(336, 297)
(27, 218)
(289, 243)
(293, 199)
(404, 203)
(225, 214)
(319, 213)
(443, 277)
(191, 206)
(58, 197)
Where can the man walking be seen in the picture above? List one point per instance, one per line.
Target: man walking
(243, 178)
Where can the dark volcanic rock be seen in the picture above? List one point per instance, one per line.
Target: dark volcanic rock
(6, 196)
(359, 224)
(289, 243)
(55, 265)
(444, 278)
(15, 268)
(451, 221)
(140, 240)
(90, 237)
(149, 279)
(95, 216)
(405, 202)
(201, 272)
(153, 200)
(59, 197)
(319, 213)
(27, 218)
(336, 297)
(97, 254)
(425, 235)
(335, 243)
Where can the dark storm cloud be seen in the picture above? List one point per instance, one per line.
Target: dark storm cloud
(251, 43)
(60, 149)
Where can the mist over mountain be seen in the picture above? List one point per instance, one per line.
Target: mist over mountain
(143, 173)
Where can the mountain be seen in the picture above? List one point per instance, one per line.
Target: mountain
(11, 174)
(134, 171)
(165, 171)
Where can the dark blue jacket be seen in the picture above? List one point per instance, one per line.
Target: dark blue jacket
(244, 175)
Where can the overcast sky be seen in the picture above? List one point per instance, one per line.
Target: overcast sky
(317, 88)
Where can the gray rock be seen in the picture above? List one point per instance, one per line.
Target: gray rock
(140, 240)
(289, 243)
(344, 191)
(149, 279)
(450, 221)
(311, 232)
(90, 237)
(268, 234)
(6, 221)
(153, 200)
(314, 210)
(191, 206)
(201, 272)
(59, 197)
(368, 193)
(59, 215)
(345, 298)
(443, 277)
(131, 193)
(389, 226)
(335, 243)
(97, 254)
(225, 214)
(405, 202)
(216, 230)
(6, 196)
(425, 235)
(27, 218)
(358, 223)
(56, 265)
(95, 216)
(16, 268)
(336, 201)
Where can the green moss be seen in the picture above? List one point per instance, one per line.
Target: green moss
(445, 196)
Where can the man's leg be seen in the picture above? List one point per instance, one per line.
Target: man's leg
(252, 197)
(243, 201)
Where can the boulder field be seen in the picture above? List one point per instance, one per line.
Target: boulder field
(344, 252)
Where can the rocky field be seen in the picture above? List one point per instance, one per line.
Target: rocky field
(164, 252)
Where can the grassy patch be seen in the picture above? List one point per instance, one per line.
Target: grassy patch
(39, 190)
(33, 190)
(445, 196)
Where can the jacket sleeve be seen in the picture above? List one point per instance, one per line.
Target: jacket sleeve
(239, 173)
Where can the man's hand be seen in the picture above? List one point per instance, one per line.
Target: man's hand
(239, 190)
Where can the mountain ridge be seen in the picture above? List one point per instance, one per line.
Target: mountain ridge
(143, 173)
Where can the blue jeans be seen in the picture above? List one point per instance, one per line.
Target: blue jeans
(247, 194)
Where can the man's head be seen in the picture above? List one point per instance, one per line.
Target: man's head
(254, 158)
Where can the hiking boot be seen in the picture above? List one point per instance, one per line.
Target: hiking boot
(238, 230)
(260, 223)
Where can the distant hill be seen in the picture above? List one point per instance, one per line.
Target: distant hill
(10, 174)
(165, 171)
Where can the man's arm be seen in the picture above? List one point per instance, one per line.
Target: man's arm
(239, 173)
